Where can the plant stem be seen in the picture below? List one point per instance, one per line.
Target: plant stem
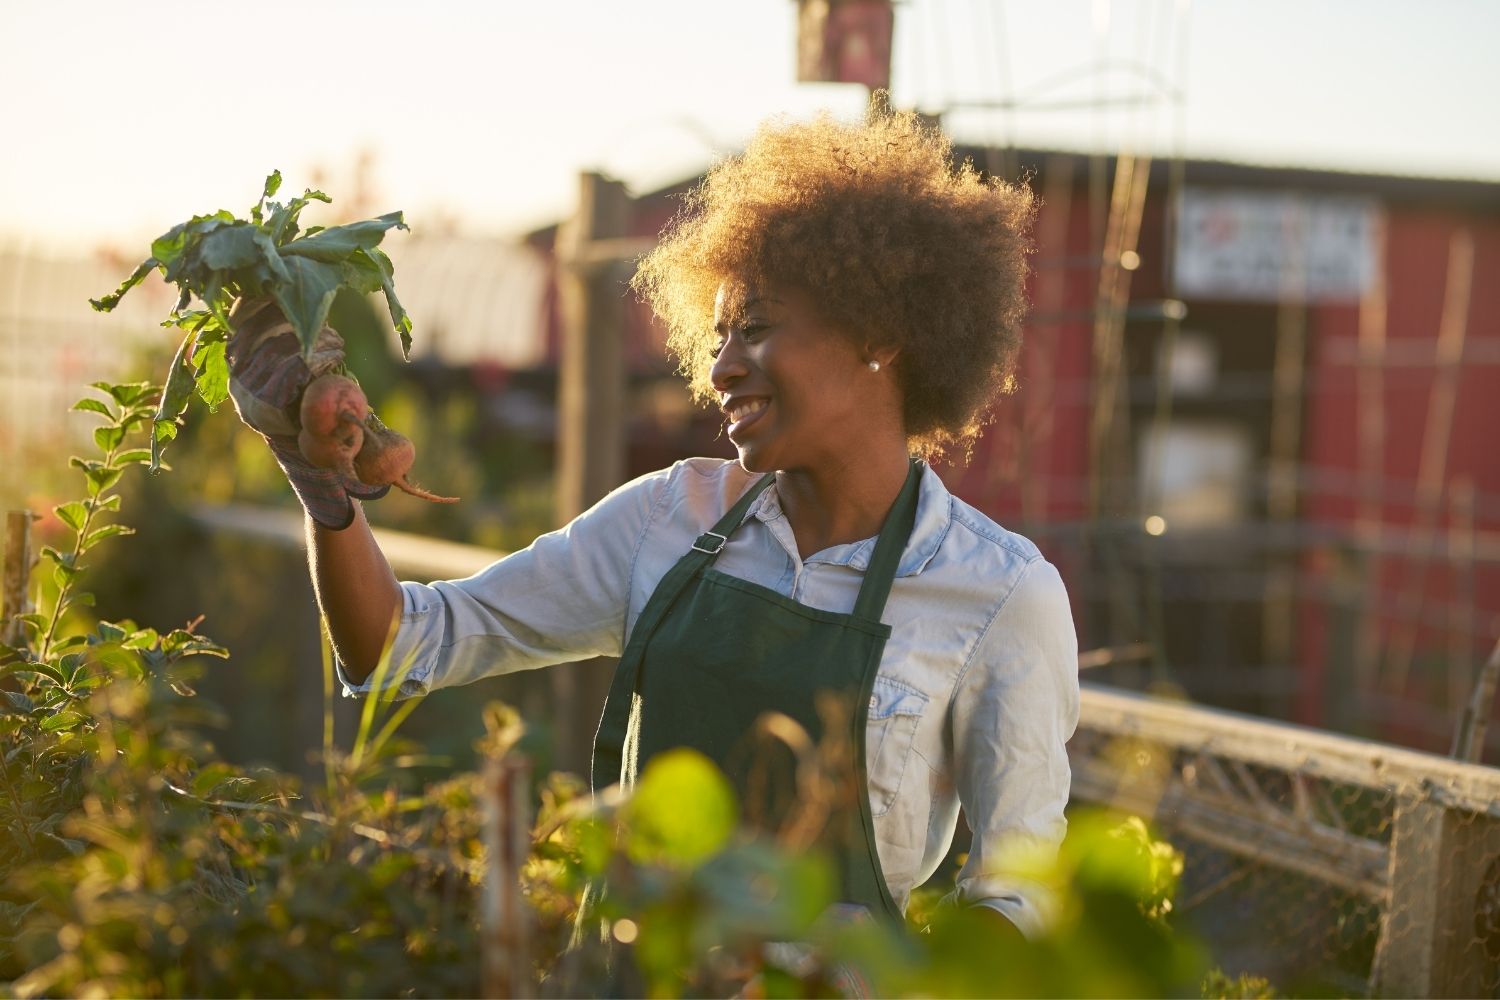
(16, 800)
(60, 605)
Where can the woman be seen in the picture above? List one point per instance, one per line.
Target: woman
(850, 300)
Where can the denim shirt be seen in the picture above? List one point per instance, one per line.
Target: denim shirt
(976, 694)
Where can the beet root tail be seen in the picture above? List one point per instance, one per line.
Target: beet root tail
(407, 486)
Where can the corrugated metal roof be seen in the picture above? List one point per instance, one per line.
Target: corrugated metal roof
(473, 299)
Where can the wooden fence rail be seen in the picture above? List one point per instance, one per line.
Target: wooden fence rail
(1423, 847)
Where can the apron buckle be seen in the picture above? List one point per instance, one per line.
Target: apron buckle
(710, 542)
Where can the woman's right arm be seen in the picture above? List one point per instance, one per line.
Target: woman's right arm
(564, 597)
(357, 592)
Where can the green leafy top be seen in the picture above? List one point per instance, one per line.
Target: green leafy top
(219, 258)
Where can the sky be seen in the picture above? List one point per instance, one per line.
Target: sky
(122, 119)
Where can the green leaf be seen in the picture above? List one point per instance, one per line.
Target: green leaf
(282, 225)
(46, 670)
(18, 702)
(173, 247)
(111, 300)
(34, 621)
(138, 415)
(220, 300)
(272, 185)
(594, 841)
(72, 665)
(108, 531)
(307, 297)
(362, 274)
(270, 266)
(334, 245)
(162, 431)
(120, 662)
(63, 721)
(108, 503)
(125, 393)
(91, 405)
(207, 781)
(146, 638)
(108, 438)
(170, 245)
(193, 319)
(399, 318)
(73, 513)
(102, 479)
(682, 810)
(181, 642)
(72, 846)
(61, 559)
(174, 399)
(230, 247)
(212, 378)
(140, 456)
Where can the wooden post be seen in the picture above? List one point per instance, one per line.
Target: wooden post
(15, 599)
(1127, 201)
(1109, 421)
(1468, 742)
(1161, 422)
(591, 395)
(591, 415)
(1441, 863)
(506, 953)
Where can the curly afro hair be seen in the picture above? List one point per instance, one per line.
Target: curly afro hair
(898, 246)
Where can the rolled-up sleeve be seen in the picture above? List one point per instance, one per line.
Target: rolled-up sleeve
(562, 598)
(1015, 709)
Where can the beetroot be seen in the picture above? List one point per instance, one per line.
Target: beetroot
(340, 432)
(333, 451)
(331, 401)
(333, 410)
(386, 457)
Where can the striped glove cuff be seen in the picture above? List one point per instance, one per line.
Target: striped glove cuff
(323, 493)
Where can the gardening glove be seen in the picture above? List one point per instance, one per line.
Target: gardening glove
(267, 374)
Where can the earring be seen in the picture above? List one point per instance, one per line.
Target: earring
(874, 366)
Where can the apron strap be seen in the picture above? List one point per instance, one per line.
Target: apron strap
(610, 741)
(711, 542)
(881, 572)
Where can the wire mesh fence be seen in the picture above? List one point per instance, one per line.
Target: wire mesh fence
(1319, 862)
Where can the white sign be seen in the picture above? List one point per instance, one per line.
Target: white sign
(1274, 246)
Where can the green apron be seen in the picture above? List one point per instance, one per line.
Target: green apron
(711, 653)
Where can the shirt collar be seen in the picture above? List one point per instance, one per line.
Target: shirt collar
(934, 516)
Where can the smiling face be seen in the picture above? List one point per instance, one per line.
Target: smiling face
(799, 395)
